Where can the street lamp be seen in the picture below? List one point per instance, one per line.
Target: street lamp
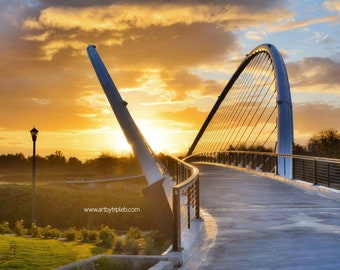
(34, 133)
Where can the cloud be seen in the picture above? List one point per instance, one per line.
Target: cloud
(123, 22)
(332, 5)
(159, 53)
(312, 118)
(187, 85)
(124, 16)
(318, 74)
(190, 117)
(300, 24)
(256, 35)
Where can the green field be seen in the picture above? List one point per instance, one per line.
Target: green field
(26, 253)
(62, 206)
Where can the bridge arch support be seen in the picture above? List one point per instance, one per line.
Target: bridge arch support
(263, 69)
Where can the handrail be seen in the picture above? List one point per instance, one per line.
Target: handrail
(316, 170)
(335, 160)
(185, 192)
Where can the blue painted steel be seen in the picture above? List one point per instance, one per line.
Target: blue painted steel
(285, 137)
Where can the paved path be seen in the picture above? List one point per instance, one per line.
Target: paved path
(265, 224)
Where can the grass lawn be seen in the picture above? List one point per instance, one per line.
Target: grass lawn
(62, 206)
(26, 253)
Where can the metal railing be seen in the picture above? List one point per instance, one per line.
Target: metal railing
(185, 196)
(316, 170)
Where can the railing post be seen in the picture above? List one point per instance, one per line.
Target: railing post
(303, 169)
(285, 166)
(293, 167)
(263, 163)
(276, 165)
(314, 173)
(176, 238)
(197, 198)
(188, 205)
(328, 176)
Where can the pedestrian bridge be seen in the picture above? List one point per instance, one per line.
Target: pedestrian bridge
(258, 222)
(250, 220)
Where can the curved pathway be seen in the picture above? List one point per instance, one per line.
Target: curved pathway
(265, 224)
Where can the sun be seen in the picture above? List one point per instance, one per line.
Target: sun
(154, 138)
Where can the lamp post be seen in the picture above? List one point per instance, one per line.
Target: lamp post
(34, 133)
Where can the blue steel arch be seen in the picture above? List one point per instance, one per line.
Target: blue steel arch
(285, 136)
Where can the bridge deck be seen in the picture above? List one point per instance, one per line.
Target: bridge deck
(265, 224)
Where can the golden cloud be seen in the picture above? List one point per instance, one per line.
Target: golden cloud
(120, 21)
(126, 16)
(332, 5)
(312, 118)
(315, 73)
(191, 117)
(299, 24)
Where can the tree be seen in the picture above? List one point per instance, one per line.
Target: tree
(56, 160)
(298, 149)
(74, 164)
(325, 144)
(15, 162)
(107, 164)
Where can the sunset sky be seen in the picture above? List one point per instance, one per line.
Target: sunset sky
(169, 59)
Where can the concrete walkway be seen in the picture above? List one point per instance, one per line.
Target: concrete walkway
(263, 223)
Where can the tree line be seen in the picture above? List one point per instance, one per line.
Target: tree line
(104, 164)
(325, 143)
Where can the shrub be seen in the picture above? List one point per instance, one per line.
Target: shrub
(131, 246)
(89, 236)
(107, 236)
(155, 243)
(84, 235)
(49, 232)
(105, 263)
(118, 245)
(4, 228)
(93, 236)
(36, 231)
(134, 233)
(70, 234)
(19, 228)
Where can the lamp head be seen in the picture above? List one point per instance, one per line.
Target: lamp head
(34, 133)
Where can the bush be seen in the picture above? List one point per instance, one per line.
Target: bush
(49, 232)
(89, 236)
(107, 236)
(4, 228)
(134, 233)
(118, 245)
(131, 246)
(155, 243)
(93, 236)
(19, 228)
(84, 235)
(36, 231)
(105, 263)
(71, 234)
